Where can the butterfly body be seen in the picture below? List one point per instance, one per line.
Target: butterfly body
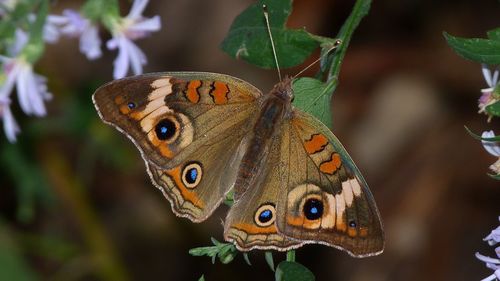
(204, 134)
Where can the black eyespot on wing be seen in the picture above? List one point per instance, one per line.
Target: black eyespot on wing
(131, 105)
(165, 129)
(192, 174)
(352, 224)
(265, 215)
(313, 209)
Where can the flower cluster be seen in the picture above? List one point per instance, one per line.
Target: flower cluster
(491, 145)
(493, 263)
(18, 60)
(488, 95)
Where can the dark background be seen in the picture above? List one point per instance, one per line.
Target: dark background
(76, 202)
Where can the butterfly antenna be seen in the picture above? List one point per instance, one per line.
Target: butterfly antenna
(333, 47)
(266, 16)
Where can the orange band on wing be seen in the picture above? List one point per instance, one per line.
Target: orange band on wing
(186, 193)
(302, 222)
(253, 229)
(352, 232)
(192, 93)
(329, 167)
(316, 144)
(219, 92)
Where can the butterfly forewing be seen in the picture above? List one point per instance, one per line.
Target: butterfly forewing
(189, 128)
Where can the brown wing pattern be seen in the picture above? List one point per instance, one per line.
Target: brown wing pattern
(326, 199)
(188, 127)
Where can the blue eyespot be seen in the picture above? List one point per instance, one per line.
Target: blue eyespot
(192, 175)
(165, 129)
(313, 209)
(131, 105)
(265, 216)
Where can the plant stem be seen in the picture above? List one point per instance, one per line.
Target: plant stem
(290, 255)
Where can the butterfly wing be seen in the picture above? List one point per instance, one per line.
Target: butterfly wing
(250, 223)
(326, 198)
(314, 194)
(188, 127)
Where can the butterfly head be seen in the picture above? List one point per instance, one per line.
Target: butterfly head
(283, 90)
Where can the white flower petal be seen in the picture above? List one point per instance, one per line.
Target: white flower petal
(6, 88)
(146, 25)
(493, 148)
(494, 80)
(487, 259)
(90, 43)
(137, 57)
(121, 62)
(35, 94)
(10, 126)
(112, 43)
(137, 8)
(487, 74)
(21, 38)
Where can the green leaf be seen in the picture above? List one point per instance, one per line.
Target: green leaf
(475, 49)
(269, 259)
(494, 34)
(36, 46)
(249, 40)
(226, 252)
(101, 9)
(478, 137)
(496, 177)
(247, 259)
(333, 63)
(493, 109)
(202, 278)
(293, 271)
(313, 96)
(229, 200)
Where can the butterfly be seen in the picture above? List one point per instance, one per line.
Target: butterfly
(203, 135)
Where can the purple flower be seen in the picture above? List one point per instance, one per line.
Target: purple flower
(492, 263)
(31, 87)
(73, 24)
(134, 26)
(487, 96)
(493, 148)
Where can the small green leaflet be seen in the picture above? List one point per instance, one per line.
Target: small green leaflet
(313, 96)
(248, 38)
(293, 271)
(478, 137)
(477, 49)
(269, 259)
(494, 109)
(494, 34)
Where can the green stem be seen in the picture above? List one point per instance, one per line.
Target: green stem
(290, 255)
(360, 9)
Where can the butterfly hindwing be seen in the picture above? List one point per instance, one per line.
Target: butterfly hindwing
(250, 223)
(188, 127)
(326, 199)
